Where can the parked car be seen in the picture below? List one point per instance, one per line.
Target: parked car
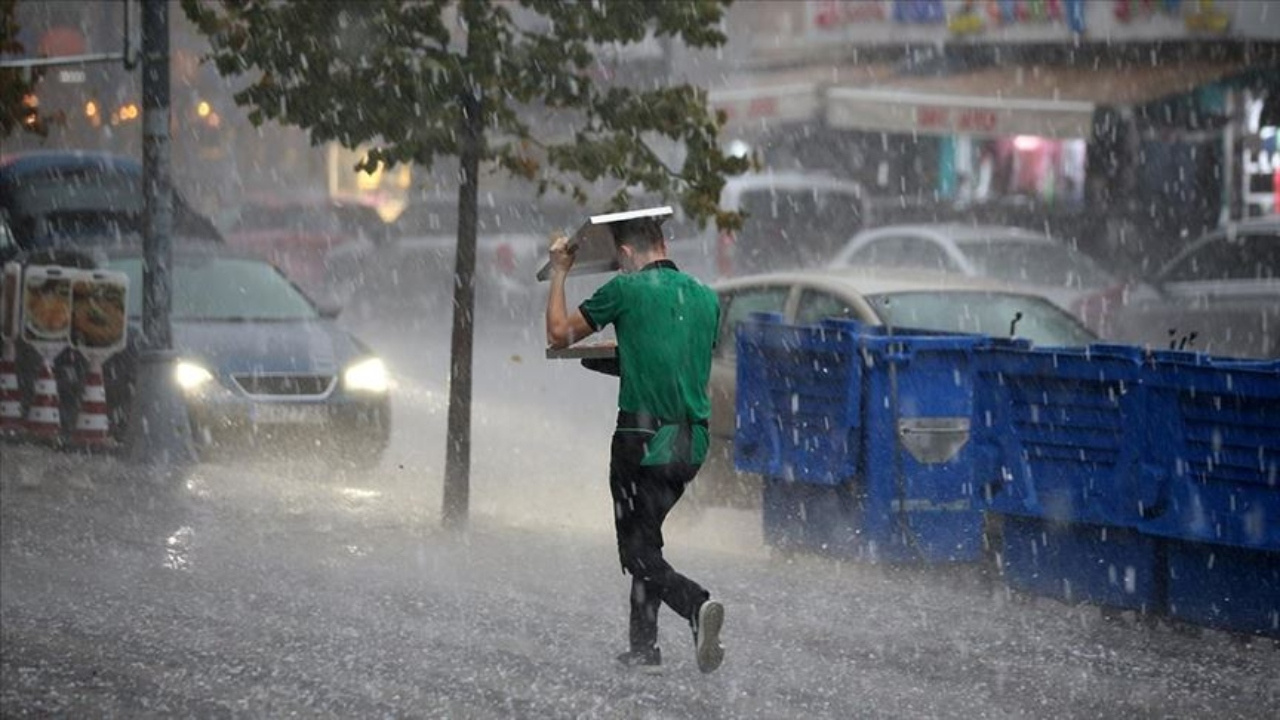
(1221, 294)
(262, 367)
(793, 220)
(415, 271)
(1068, 277)
(320, 244)
(922, 300)
(74, 199)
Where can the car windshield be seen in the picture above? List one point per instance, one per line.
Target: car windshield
(987, 313)
(223, 289)
(1038, 263)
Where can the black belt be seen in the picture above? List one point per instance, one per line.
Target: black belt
(681, 446)
(645, 421)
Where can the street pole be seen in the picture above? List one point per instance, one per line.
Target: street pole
(159, 433)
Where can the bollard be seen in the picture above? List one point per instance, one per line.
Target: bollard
(11, 424)
(93, 425)
(44, 419)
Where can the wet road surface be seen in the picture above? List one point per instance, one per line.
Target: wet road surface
(277, 588)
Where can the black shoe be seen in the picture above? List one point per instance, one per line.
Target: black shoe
(706, 636)
(647, 658)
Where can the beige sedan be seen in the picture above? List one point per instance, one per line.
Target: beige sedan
(912, 300)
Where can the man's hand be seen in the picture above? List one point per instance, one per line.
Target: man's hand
(563, 328)
(562, 254)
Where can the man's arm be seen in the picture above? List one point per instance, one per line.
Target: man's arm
(563, 328)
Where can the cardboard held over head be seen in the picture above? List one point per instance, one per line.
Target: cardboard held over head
(594, 241)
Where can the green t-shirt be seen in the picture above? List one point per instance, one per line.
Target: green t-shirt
(666, 323)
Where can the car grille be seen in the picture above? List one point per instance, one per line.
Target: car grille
(286, 385)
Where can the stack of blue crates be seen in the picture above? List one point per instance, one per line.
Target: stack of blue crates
(1220, 514)
(1117, 476)
(1063, 439)
(861, 437)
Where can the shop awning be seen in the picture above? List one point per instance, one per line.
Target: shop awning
(760, 101)
(1018, 100)
(1047, 101)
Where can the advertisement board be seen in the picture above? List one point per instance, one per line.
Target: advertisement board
(46, 305)
(99, 319)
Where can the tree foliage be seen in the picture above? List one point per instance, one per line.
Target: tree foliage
(394, 75)
(16, 85)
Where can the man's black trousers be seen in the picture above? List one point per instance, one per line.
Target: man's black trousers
(642, 497)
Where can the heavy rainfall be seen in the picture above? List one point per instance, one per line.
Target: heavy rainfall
(994, 398)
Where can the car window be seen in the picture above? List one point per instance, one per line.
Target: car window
(1250, 256)
(882, 252)
(817, 305)
(1039, 263)
(231, 289)
(904, 251)
(987, 313)
(737, 306)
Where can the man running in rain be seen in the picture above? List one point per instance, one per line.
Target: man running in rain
(666, 324)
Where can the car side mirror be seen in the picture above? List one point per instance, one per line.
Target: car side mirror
(329, 309)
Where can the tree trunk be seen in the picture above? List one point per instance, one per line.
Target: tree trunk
(457, 467)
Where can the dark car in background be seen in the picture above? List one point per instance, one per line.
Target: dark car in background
(1220, 294)
(414, 272)
(83, 200)
(792, 220)
(322, 244)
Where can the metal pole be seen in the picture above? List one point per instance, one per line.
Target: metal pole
(159, 428)
(157, 178)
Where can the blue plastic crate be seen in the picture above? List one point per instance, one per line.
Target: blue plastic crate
(1074, 563)
(798, 401)
(1220, 424)
(1062, 434)
(918, 486)
(832, 520)
(1228, 588)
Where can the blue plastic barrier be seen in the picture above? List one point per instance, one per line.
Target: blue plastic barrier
(1062, 434)
(880, 420)
(919, 496)
(1220, 455)
(799, 397)
(1074, 562)
(1224, 587)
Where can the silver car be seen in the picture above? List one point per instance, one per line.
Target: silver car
(1221, 295)
(1068, 277)
(929, 301)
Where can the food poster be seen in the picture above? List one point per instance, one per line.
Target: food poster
(46, 310)
(10, 308)
(99, 321)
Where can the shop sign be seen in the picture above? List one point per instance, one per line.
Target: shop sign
(919, 12)
(873, 22)
(828, 14)
(783, 103)
(963, 120)
(974, 16)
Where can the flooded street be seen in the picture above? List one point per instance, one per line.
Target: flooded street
(268, 589)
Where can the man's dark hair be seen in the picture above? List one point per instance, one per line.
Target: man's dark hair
(641, 234)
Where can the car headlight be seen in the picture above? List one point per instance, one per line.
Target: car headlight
(190, 376)
(367, 376)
